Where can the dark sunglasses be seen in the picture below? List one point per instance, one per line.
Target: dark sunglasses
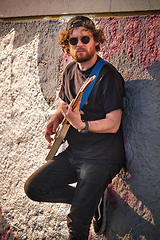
(84, 39)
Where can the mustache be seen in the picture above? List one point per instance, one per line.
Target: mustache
(80, 49)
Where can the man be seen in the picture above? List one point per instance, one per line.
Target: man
(96, 151)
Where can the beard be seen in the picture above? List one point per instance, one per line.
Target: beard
(82, 57)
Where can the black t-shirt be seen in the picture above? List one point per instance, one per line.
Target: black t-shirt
(106, 96)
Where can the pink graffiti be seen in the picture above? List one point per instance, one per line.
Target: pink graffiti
(146, 38)
(127, 198)
(7, 232)
(112, 195)
(90, 235)
(130, 35)
(153, 24)
(115, 39)
(133, 36)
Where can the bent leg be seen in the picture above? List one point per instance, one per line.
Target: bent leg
(50, 183)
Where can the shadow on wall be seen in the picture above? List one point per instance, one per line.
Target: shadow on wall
(49, 63)
(126, 223)
(138, 211)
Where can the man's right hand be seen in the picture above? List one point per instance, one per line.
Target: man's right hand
(55, 120)
(51, 129)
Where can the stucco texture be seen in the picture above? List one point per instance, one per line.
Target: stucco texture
(31, 66)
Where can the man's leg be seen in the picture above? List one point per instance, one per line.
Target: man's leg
(50, 183)
(92, 181)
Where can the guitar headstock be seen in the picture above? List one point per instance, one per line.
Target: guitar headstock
(87, 83)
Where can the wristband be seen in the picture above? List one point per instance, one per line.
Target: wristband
(85, 130)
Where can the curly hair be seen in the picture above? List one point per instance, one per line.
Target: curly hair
(63, 38)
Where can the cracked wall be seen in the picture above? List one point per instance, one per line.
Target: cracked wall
(31, 66)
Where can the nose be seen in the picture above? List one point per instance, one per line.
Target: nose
(79, 42)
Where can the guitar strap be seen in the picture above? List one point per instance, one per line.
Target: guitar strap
(95, 72)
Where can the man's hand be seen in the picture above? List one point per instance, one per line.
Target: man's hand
(73, 116)
(55, 120)
(49, 132)
(51, 129)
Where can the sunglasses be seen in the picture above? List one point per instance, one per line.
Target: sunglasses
(84, 39)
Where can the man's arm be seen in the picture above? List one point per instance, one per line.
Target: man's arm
(55, 120)
(110, 124)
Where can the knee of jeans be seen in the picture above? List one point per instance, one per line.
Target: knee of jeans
(30, 190)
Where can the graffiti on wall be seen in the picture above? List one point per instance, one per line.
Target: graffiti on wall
(31, 62)
(130, 35)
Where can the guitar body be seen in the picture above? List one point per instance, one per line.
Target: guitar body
(63, 129)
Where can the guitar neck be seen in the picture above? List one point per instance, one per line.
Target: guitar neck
(79, 95)
(77, 99)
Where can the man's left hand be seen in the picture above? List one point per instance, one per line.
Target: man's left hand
(73, 116)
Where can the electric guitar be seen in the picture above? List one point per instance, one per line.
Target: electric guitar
(64, 126)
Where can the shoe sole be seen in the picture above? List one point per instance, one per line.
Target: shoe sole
(104, 221)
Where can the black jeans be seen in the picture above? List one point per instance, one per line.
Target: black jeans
(50, 183)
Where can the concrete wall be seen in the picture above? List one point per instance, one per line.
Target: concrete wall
(19, 8)
(30, 74)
